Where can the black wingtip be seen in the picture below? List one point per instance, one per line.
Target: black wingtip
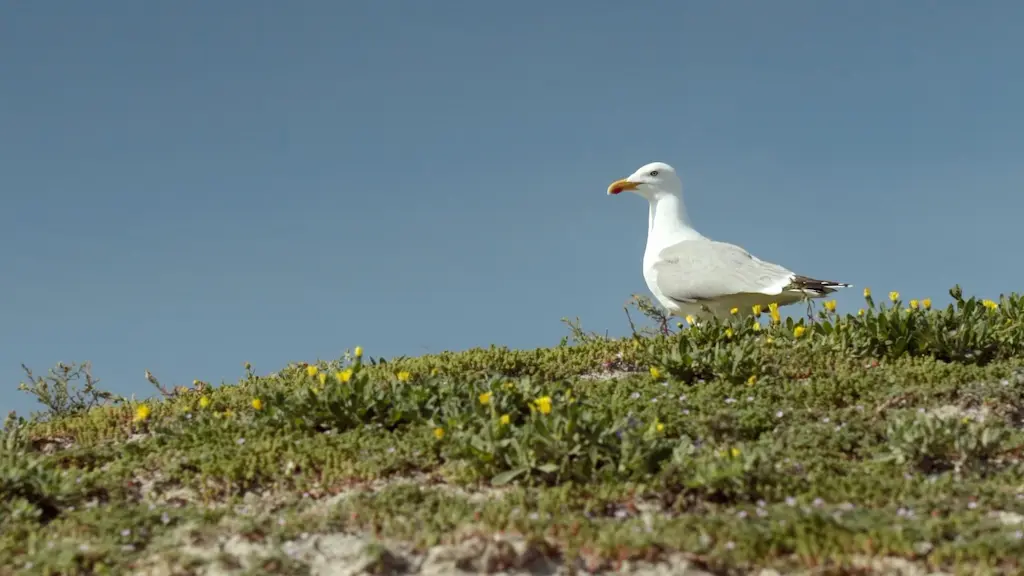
(814, 285)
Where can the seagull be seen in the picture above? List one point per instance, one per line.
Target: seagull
(694, 276)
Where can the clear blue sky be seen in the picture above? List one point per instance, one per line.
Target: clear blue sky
(190, 185)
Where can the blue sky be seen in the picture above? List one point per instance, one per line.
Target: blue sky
(187, 186)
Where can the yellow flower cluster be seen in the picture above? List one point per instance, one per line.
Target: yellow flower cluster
(798, 332)
(990, 304)
(830, 305)
(257, 404)
(485, 398)
(773, 310)
(404, 376)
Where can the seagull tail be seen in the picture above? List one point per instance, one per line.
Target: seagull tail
(814, 286)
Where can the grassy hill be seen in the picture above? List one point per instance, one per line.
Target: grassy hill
(888, 439)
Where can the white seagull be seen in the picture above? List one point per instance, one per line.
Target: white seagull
(691, 274)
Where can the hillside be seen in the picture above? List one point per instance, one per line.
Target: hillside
(876, 441)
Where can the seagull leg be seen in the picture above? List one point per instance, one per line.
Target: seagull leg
(664, 326)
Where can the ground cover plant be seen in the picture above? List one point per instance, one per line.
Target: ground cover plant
(885, 439)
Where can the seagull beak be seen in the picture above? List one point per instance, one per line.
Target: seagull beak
(621, 186)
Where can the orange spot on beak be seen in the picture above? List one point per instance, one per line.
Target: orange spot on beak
(621, 186)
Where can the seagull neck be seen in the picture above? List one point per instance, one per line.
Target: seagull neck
(668, 223)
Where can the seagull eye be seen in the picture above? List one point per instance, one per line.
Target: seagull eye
(654, 172)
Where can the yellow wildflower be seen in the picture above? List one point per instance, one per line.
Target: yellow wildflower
(439, 433)
(769, 340)
(830, 305)
(734, 311)
(728, 332)
(860, 312)
(142, 413)
(735, 452)
(311, 370)
(927, 303)
(773, 309)
(510, 385)
(894, 296)
(756, 326)
(659, 427)
(798, 331)
(204, 402)
(322, 377)
(913, 304)
(404, 376)
(543, 404)
(752, 380)
(434, 371)
(757, 310)
(195, 382)
(359, 351)
(343, 375)
(690, 319)
(990, 304)
(505, 419)
(867, 292)
(655, 373)
(257, 404)
(485, 398)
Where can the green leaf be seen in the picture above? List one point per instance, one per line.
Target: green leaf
(548, 468)
(506, 477)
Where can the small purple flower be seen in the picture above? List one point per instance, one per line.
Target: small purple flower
(790, 501)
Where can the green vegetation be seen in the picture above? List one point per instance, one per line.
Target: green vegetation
(837, 443)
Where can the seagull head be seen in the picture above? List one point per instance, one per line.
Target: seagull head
(650, 181)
